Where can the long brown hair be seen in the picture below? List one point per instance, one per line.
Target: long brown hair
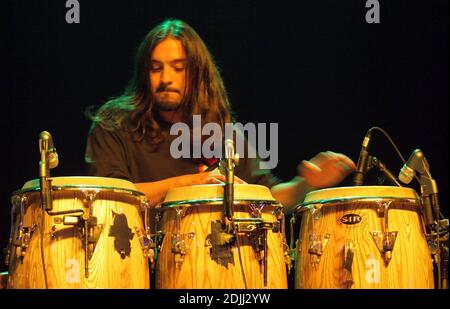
(205, 92)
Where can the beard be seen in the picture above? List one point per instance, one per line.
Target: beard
(167, 106)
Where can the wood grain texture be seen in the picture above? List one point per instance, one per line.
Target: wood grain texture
(64, 253)
(199, 271)
(410, 266)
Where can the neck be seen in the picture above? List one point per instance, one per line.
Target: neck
(171, 116)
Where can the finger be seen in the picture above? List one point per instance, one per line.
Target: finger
(239, 180)
(334, 156)
(307, 166)
(344, 169)
(214, 180)
(222, 178)
(324, 157)
(219, 177)
(347, 161)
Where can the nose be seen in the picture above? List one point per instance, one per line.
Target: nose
(166, 77)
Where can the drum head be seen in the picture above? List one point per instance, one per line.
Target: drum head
(332, 195)
(59, 183)
(214, 192)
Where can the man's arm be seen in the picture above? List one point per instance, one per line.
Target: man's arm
(290, 193)
(156, 191)
(326, 169)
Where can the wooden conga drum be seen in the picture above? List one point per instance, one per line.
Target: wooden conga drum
(92, 237)
(363, 237)
(191, 219)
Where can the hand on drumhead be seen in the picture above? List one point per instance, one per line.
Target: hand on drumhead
(212, 178)
(326, 169)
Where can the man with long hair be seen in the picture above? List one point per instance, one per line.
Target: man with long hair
(175, 78)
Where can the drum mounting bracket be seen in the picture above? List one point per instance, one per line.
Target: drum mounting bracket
(220, 241)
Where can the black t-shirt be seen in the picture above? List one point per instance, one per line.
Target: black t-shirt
(114, 153)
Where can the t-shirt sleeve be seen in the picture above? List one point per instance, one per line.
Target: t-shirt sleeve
(106, 154)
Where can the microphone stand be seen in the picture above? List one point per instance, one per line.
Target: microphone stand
(45, 191)
(430, 199)
(229, 190)
(226, 167)
(429, 192)
(44, 175)
(375, 162)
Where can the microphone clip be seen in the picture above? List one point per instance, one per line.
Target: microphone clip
(48, 160)
(226, 167)
(362, 165)
(375, 162)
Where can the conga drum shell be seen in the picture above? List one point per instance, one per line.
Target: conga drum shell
(197, 269)
(340, 239)
(111, 210)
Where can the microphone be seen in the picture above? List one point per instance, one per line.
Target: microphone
(415, 163)
(229, 149)
(428, 187)
(49, 160)
(361, 167)
(46, 143)
(229, 178)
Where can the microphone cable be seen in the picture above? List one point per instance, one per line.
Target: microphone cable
(393, 145)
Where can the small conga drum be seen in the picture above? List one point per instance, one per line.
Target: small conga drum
(93, 237)
(198, 252)
(362, 237)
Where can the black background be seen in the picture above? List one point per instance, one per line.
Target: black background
(314, 67)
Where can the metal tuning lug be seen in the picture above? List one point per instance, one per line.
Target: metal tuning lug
(317, 247)
(148, 243)
(349, 252)
(181, 244)
(385, 243)
(385, 240)
(22, 240)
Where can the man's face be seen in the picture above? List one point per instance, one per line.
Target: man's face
(168, 74)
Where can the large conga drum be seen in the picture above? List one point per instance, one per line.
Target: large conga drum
(197, 252)
(93, 237)
(362, 237)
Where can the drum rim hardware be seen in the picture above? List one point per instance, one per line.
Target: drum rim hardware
(356, 199)
(217, 202)
(81, 187)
